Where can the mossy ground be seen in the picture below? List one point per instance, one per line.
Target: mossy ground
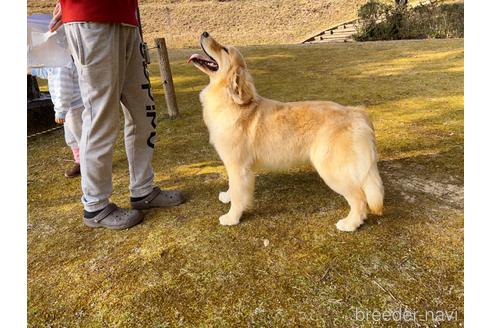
(181, 268)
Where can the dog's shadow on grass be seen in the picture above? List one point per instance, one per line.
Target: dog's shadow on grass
(304, 193)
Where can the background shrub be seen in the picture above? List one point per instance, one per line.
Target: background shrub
(381, 21)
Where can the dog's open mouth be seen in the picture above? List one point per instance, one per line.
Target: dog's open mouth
(207, 62)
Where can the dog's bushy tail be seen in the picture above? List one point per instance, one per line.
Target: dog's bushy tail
(372, 185)
(374, 190)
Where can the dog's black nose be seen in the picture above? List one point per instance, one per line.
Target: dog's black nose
(205, 34)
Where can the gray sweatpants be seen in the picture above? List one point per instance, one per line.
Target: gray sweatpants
(112, 72)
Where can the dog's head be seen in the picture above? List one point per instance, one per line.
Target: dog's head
(225, 66)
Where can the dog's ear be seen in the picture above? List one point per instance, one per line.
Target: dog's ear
(241, 87)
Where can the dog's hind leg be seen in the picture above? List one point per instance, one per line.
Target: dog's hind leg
(338, 178)
(357, 213)
(241, 188)
(354, 196)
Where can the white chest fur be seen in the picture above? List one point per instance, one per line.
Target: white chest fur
(218, 117)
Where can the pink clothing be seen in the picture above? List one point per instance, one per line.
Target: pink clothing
(76, 154)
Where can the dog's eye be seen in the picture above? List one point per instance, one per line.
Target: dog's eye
(225, 49)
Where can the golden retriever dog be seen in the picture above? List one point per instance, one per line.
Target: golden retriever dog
(251, 133)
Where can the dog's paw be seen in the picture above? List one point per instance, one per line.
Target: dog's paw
(228, 220)
(347, 225)
(224, 197)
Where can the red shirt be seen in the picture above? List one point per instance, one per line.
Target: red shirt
(102, 11)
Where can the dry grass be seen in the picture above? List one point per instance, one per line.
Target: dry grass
(181, 268)
(243, 22)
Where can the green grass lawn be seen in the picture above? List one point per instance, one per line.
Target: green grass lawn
(181, 268)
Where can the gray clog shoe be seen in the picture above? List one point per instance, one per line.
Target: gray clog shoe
(113, 217)
(159, 198)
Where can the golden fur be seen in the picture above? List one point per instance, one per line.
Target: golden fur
(252, 133)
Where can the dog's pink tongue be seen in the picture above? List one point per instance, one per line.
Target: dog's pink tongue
(196, 56)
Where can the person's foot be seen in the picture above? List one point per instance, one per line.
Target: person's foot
(113, 217)
(158, 198)
(73, 172)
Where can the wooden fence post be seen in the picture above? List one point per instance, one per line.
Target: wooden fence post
(167, 78)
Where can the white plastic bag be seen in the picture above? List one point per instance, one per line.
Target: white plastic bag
(45, 48)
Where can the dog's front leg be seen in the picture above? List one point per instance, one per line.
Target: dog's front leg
(241, 188)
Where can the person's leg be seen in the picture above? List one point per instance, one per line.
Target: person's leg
(73, 131)
(76, 105)
(73, 118)
(73, 122)
(61, 91)
(95, 49)
(98, 50)
(140, 125)
(69, 137)
(140, 118)
(76, 154)
(73, 142)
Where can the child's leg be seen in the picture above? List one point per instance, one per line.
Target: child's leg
(76, 154)
(73, 122)
(71, 141)
(69, 137)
